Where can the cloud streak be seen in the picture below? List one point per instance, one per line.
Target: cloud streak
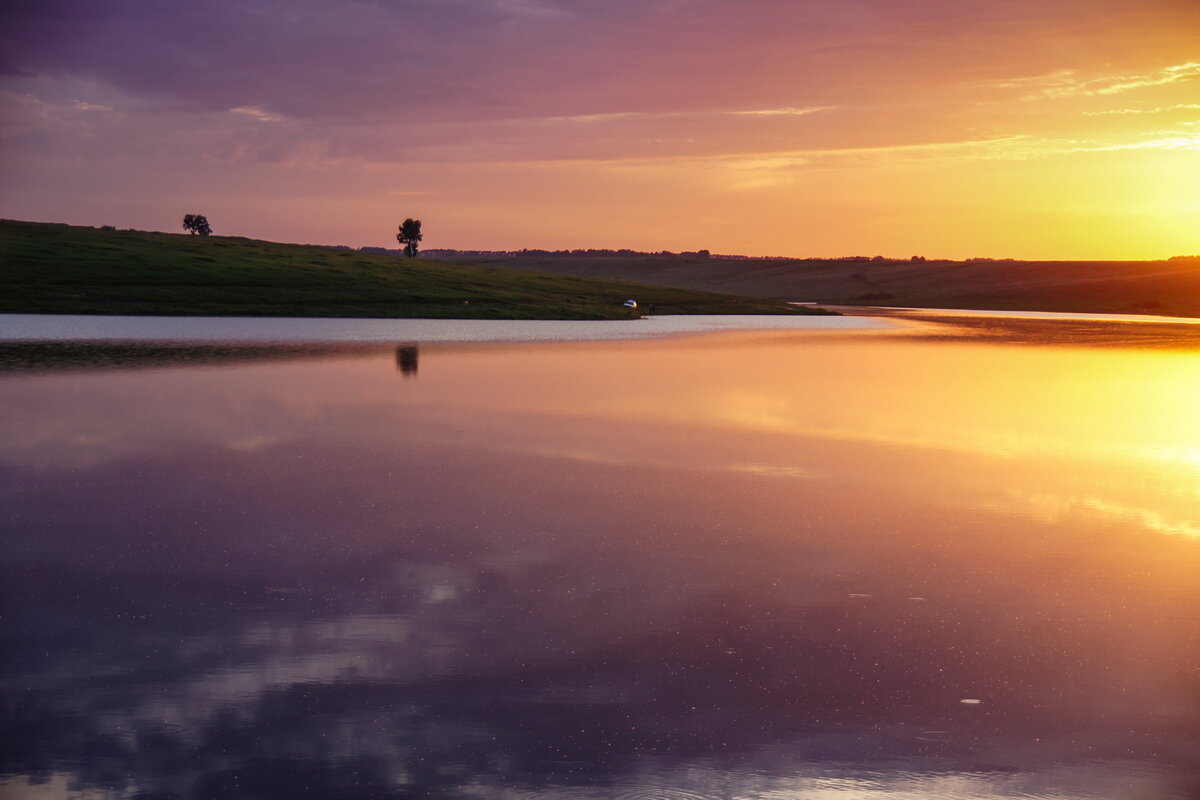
(1069, 83)
(1155, 110)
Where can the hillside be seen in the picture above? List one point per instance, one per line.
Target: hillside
(61, 269)
(1148, 287)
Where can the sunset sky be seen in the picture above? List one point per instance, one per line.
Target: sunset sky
(945, 128)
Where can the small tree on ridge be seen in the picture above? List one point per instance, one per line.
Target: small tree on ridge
(196, 223)
(409, 235)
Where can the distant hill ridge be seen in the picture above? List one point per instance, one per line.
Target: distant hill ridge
(1168, 287)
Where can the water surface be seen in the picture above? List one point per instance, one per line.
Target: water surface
(84, 327)
(928, 561)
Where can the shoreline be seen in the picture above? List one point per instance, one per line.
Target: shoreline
(909, 312)
(114, 328)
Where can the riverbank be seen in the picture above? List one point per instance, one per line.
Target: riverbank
(62, 269)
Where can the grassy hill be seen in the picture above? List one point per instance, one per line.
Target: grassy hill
(62, 269)
(1149, 287)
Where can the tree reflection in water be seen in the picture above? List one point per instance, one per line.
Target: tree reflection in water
(406, 360)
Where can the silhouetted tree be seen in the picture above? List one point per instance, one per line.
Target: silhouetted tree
(196, 223)
(409, 235)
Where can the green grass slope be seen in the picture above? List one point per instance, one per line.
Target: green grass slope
(1169, 288)
(61, 269)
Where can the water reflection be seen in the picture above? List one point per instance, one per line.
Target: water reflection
(406, 360)
(1049, 328)
(736, 566)
(58, 356)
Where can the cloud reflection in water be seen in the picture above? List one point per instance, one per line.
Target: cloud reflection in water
(573, 570)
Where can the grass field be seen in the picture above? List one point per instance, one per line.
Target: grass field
(60, 269)
(1170, 288)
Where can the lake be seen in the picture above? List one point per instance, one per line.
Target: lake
(925, 556)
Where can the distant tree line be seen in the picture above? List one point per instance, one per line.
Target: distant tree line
(536, 253)
(452, 254)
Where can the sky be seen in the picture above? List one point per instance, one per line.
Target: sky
(1050, 129)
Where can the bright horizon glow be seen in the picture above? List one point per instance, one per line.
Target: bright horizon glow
(1047, 129)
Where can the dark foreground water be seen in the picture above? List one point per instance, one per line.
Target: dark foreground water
(941, 562)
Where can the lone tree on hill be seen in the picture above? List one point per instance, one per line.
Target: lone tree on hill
(409, 235)
(196, 223)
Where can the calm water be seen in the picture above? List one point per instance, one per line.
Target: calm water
(935, 561)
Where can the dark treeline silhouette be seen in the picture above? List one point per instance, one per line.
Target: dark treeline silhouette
(580, 252)
(451, 254)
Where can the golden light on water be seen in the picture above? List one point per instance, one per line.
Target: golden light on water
(1049, 433)
(1118, 405)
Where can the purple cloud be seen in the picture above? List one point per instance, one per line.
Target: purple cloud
(440, 60)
